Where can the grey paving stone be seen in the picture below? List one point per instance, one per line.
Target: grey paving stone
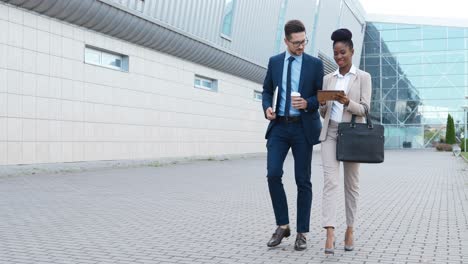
(412, 209)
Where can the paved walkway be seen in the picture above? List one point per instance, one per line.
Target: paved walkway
(413, 209)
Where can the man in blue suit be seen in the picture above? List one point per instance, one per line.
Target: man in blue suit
(295, 124)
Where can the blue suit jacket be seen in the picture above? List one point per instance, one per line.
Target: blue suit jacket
(310, 82)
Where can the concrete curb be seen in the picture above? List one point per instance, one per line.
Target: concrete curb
(74, 167)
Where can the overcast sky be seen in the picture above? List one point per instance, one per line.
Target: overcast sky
(429, 8)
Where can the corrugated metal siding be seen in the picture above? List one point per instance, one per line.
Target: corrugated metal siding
(329, 64)
(254, 22)
(198, 17)
(105, 18)
(305, 11)
(327, 22)
(254, 31)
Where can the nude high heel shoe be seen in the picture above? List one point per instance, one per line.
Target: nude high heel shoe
(350, 247)
(331, 251)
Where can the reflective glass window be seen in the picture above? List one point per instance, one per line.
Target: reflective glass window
(112, 60)
(258, 96)
(106, 59)
(389, 70)
(228, 17)
(386, 26)
(456, 32)
(372, 48)
(456, 44)
(409, 34)
(389, 82)
(432, 32)
(205, 83)
(279, 29)
(409, 59)
(373, 70)
(409, 46)
(423, 77)
(435, 44)
(372, 61)
(412, 69)
(442, 92)
(389, 35)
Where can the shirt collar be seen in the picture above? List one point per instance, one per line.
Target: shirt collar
(353, 70)
(296, 58)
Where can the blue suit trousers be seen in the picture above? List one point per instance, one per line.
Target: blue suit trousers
(284, 136)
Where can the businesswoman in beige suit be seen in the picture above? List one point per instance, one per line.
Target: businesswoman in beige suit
(357, 87)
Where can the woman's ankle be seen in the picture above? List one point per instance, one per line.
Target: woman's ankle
(330, 232)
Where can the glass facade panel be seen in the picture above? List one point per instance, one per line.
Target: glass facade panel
(456, 44)
(404, 59)
(419, 76)
(372, 48)
(409, 34)
(435, 45)
(432, 32)
(372, 61)
(228, 17)
(455, 33)
(280, 28)
(389, 35)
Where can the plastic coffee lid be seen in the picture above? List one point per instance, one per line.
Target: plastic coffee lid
(295, 94)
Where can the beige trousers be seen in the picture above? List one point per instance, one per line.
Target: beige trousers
(331, 172)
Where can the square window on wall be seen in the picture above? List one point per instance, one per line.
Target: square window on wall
(105, 58)
(257, 96)
(205, 83)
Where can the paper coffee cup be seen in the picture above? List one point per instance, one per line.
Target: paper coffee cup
(294, 94)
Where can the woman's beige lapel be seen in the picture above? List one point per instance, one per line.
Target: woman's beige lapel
(359, 95)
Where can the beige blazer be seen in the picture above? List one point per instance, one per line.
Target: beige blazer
(359, 95)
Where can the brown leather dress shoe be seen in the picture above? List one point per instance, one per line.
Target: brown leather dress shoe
(301, 242)
(279, 234)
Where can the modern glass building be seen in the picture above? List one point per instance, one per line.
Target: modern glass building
(419, 76)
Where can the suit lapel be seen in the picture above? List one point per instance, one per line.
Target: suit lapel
(351, 86)
(303, 72)
(279, 71)
(332, 84)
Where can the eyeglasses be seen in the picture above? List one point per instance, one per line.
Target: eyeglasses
(297, 44)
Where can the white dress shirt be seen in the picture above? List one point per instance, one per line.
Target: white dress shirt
(342, 83)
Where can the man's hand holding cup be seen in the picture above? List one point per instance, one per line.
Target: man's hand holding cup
(297, 101)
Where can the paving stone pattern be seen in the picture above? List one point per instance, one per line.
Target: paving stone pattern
(413, 209)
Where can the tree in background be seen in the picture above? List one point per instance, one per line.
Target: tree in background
(450, 134)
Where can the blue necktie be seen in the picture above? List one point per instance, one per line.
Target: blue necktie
(288, 88)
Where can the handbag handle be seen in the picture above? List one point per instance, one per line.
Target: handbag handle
(368, 120)
(366, 110)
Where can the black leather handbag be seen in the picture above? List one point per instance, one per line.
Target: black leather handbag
(358, 142)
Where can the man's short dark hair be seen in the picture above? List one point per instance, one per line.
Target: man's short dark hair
(293, 26)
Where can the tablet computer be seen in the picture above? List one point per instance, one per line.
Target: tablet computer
(328, 95)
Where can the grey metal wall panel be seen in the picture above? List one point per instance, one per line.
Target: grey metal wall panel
(327, 23)
(303, 10)
(192, 29)
(254, 22)
(105, 18)
(254, 30)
